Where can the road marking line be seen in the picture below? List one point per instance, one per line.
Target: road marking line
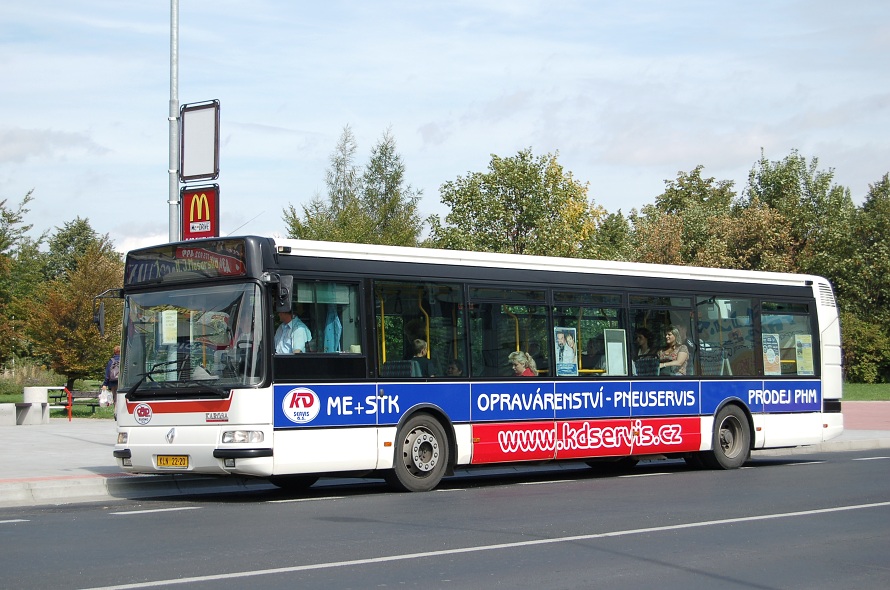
(156, 510)
(14, 521)
(304, 499)
(537, 483)
(807, 463)
(480, 548)
(870, 458)
(645, 474)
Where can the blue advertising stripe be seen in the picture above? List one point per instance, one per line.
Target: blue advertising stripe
(365, 404)
(382, 404)
(773, 396)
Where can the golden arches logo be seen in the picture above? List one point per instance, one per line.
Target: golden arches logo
(197, 202)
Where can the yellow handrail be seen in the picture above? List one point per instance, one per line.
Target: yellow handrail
(505, 311)
(427, 316)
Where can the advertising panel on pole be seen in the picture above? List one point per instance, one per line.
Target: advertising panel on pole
(199, 141)
(200, 212)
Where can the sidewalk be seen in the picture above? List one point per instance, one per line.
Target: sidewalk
(63, 462)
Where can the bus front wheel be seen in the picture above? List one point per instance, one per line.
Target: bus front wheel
(421, 455)
(731, 442)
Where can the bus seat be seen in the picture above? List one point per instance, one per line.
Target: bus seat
(712, 361)
(646, 365)
(400, 369)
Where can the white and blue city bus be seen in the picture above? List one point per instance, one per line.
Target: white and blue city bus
(202, 389)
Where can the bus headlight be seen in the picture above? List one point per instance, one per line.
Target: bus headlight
(243, 436)
(122, 438)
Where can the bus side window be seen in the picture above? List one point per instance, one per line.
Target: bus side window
(787, 339)
(330, 311)
(725, 336)
(410, 314)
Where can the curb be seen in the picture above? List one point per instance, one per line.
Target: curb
(95, 488)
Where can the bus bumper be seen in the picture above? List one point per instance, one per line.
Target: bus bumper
(193, 450)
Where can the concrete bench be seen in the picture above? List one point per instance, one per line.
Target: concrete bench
(33, 409)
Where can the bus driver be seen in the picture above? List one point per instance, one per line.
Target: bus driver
(292, 335)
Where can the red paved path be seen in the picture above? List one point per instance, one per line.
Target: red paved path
(866, 415)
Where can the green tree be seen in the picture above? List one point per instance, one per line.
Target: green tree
(521, 205)
(755, 238)
(60, 325)
(387, 201)
(338, 216)
(13, 238)
(819, 211)
(370, 207)
(865, 345)
(862, 282)
(679, 228)
(68, 245)
(613, 239)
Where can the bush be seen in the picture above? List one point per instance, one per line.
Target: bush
(21, 373)
(866, 349)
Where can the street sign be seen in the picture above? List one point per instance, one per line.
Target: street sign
(199, 141)
(200, 212)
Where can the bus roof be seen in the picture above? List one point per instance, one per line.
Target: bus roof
(344, 250)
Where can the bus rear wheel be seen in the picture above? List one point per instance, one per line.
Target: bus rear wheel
(731, 440)
(421, 455)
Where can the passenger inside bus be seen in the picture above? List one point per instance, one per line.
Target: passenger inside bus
(523, 364)
(594, 357)
(455, 368)
(673, 357)
(421, 359)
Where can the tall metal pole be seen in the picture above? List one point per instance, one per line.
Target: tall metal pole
(173, 119)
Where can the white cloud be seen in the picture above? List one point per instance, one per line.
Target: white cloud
(627, 93)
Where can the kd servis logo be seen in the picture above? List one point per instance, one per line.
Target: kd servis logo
(300, 405)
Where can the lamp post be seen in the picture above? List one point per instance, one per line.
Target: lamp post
(173, 123)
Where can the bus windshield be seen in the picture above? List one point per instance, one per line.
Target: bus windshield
(192, 341)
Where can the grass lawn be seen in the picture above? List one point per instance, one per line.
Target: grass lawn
(871, 392)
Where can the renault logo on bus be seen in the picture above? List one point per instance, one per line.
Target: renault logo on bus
(300, 405)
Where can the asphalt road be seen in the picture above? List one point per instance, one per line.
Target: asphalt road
(814, 521)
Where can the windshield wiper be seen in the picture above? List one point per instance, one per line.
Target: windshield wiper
(197, 382)
(202, 384)
(153, 371)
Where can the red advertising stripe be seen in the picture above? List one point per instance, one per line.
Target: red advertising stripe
(525, 441)
(584, 439)
(184, 406)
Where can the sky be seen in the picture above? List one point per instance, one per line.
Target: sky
(627, 93)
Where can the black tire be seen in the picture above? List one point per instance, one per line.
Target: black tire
(731, 440)
(293, 483)
(421, 455)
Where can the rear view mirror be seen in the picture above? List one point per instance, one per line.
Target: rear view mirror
(99, 317)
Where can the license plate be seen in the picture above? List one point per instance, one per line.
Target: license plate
(178, 461)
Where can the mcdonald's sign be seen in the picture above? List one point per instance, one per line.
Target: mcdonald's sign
(199, 209)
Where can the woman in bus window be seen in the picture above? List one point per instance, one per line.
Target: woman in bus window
(523, 364)
(672, 358)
